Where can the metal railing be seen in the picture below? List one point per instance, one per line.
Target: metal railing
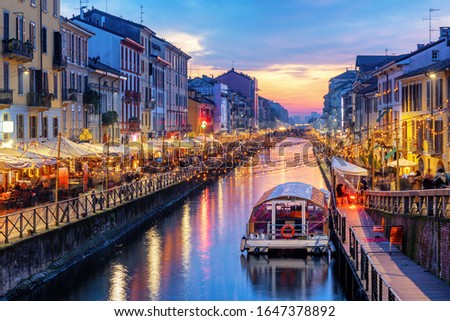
(377, 288)
(432, 202)
(29, 221)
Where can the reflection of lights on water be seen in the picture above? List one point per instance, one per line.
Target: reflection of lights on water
(118, 281)
(186, 232)
(154, 253)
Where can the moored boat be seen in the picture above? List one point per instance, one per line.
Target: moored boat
(289, 216)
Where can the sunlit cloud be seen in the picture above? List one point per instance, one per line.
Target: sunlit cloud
(188, 43)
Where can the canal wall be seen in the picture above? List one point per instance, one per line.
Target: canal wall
(425, 239)
(35, 260)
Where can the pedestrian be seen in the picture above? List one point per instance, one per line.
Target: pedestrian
(340, 190)
(416, 180)
(427, 182)
(440, 180)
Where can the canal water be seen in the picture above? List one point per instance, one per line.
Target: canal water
(192, 251)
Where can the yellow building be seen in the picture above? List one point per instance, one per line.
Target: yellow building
(30, 64)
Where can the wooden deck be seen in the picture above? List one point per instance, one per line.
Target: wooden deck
(408, 280)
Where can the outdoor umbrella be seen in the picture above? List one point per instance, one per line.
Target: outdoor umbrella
(402, 162)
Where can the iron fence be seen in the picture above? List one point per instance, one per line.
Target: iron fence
(434, 202)
(30, 221)
(375, 285)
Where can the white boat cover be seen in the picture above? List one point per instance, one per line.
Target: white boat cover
(344, 167)
(294, 191)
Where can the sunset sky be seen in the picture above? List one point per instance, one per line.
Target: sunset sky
(293, 47)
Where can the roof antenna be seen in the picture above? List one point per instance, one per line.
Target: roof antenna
(430, 30)
(106, 5)
(142, 15)
(83, 5)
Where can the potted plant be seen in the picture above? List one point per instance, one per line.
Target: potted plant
(110, 117)
(133, 123)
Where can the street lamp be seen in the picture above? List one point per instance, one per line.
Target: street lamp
(431, 76)
(203, 126)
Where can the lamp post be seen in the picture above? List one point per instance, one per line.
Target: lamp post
(203, 126)
(397, 182)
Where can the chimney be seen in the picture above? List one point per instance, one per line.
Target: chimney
(444, 32)
(420, 46)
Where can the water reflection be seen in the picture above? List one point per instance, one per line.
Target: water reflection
(118, 283)
(186, 236)
(154, 253)
(288, 278)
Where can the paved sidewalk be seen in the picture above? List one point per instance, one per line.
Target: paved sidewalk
(410, 281)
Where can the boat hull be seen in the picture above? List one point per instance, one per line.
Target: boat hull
(316, 245)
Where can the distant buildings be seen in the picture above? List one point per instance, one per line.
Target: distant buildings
(102, 78)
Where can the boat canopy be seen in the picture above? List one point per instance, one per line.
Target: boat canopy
(294, 191)
(344, 167)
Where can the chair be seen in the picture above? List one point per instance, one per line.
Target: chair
(341, 200)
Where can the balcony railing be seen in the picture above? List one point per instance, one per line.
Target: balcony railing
(6, 97)
(134, 126)
(132, 96)
(39, 99)
(17, 50)
(69, 94)
(59, 62)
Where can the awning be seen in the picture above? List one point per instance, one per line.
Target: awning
(402, 162)
(344, 167)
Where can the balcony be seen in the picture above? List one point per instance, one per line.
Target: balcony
(59, 62)
(132, 96)
(6, 98)
(134, 124)
(19, 51)
(69, 94)
(150, 104)
(39, 101)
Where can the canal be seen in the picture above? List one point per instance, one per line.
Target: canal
(192, 251)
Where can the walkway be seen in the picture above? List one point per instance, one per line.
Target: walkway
(407, 279)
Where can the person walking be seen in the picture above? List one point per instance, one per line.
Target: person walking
(427, 182)
(440, 180)
(416, 181)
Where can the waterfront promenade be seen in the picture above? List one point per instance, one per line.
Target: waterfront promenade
(403, 278)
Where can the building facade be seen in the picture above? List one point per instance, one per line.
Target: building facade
(30, 71)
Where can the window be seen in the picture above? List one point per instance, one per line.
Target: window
(44, 5)
(44, 127)
(435, 55)
(79, 84)
(6, 135)
(45, 87)
(20, 128)
(33, 3)
(73, 119)
(20, 81)
(55, 85)
(55, 127)
(33, 126)
(80, 117)
(5, 25)
(19, 28)
(32, 35)
(55, 8)
(72, 48)
(44, 39)
(5, 75)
